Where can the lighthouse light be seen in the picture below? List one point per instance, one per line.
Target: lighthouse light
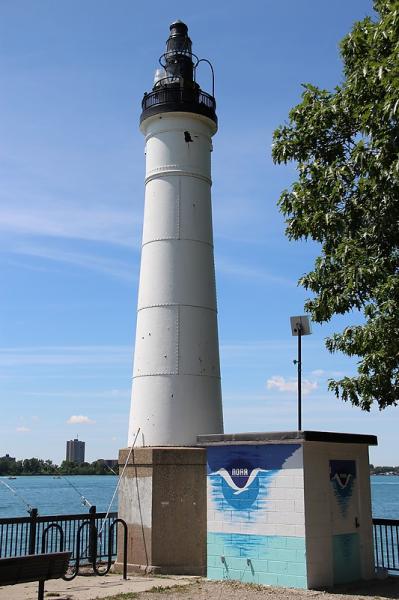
(178, 41)
(159, 75)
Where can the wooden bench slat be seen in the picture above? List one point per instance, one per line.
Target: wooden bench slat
(33, 567)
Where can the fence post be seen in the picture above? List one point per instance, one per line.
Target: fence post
(32, 530)
(92, 535)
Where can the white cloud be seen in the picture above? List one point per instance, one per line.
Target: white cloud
(69, 220)
(322, 373)
(245, 271)
(91, 395)
(118, 269)
(80, 420)
(290, 385)
(65, 355)
(319, 373)
(22, 429)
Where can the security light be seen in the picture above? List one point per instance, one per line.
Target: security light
(300, 326)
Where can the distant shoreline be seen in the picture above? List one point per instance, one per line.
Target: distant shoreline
(10, 467)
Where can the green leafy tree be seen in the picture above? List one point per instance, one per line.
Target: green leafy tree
(49, 467)
(346, 198)
(68, 467)
(32, 466)
(6, 466)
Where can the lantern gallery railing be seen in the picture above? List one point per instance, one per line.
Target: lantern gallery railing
(178, 98)
(386, 544)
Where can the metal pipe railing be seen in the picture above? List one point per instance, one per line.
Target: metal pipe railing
(386, 544)
(23, 535)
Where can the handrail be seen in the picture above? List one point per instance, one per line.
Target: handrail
(23, 535)
(208, 62)
(386, 544)
(378, 521)
(174, 53)
(20, 536)
(48, 518)
(175, 94)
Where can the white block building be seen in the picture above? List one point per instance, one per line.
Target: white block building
(290, 509)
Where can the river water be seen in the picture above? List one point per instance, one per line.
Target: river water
(54, 496)
(57, 496)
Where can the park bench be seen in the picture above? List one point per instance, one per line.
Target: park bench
(33, 567)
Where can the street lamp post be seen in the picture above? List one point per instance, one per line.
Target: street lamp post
(300, 326)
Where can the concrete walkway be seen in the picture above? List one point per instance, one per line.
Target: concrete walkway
(90, 587)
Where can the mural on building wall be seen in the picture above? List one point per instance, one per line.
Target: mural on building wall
(240, 476)
(346, 558)
(255, 514)
(342, 478)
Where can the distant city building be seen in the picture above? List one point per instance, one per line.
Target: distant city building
(75, 451)
(7, 457)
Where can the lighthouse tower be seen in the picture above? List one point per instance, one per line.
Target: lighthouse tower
(176, 392)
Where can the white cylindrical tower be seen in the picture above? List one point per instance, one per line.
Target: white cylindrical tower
(176, 393)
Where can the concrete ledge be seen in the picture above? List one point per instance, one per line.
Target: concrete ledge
(162, 455)
(287, 436)
(160, 569)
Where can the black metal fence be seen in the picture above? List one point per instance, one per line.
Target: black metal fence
(35, 534)
(386, 543)
(92, 537)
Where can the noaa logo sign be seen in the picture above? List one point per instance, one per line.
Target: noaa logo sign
(342, 478)
(241, 485)
(240, 476)
(239, 472)
(245, 477)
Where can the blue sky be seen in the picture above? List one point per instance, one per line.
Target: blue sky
(72, 76)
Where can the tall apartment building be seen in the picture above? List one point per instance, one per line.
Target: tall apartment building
(75, 451)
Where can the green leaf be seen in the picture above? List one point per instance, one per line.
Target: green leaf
(346, 147)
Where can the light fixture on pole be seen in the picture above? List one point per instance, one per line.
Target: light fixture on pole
(300, 326)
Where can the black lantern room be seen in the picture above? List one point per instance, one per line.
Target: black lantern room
(175, 88)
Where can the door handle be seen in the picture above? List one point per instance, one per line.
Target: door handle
(357, 524)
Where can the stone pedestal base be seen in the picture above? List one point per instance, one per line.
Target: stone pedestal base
(162, 498)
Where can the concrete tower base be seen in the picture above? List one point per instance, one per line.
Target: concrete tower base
(162, 498)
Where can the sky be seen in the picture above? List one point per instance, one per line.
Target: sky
(72, 76)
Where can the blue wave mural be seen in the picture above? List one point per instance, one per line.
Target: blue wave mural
(342, 478)
(227, 495)
(243, 486)
(244, 456)
(240, 476)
